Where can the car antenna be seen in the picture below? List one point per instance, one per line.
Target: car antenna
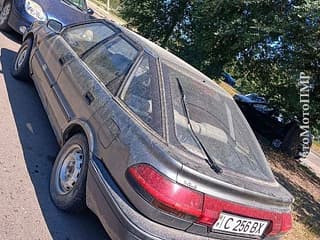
(212, 163)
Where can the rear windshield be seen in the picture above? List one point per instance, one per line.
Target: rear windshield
(217, 123)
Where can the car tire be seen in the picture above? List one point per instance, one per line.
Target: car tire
(4, 16)
(20, 68)
(69, 175)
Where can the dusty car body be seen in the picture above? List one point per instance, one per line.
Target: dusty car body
(164, 153)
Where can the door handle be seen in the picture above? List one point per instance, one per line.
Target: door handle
(66, 58)
(89, 97)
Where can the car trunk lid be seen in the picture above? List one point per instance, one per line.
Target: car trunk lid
(246, 181)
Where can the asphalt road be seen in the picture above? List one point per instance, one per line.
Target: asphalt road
(27, 151)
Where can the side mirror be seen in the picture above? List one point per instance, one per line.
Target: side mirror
(54, 25)
(90, 11)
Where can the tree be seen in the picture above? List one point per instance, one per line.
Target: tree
(273, 67)
(157, 20)
(265, 44)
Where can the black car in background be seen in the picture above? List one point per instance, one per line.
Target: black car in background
(266, 120)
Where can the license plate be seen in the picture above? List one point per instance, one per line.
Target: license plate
(240, 225)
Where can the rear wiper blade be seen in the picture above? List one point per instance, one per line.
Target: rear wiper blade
(212, 163)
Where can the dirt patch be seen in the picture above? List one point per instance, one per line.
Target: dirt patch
(304, 185)
(232, 91)
(316, 147)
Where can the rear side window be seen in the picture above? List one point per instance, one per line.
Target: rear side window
(111, 61)
(142, 94)
(81, 38)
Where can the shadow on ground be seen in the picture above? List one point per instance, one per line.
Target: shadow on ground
(39, 149)
(303, 184)
(13, 36)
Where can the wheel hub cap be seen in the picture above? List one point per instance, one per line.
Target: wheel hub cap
(20, 59)
(70, 168)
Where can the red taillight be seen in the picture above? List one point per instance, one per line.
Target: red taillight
(183, 201)
(172, 195)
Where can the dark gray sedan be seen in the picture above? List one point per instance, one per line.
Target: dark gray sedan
(152, 146)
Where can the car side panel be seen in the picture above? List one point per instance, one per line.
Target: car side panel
(45, 69)
(38, 76)
(54, 53)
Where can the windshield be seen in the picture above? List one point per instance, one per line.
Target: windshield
(218, 124)
(81, 4)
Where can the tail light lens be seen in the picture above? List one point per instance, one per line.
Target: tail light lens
(184, 202)
(165, 193)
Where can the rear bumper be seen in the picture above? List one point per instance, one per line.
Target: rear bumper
(19, 19)
(122, 221)
(118, 216)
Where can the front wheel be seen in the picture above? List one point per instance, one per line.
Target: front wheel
(4, 16)
(69, 175)
(20, 69)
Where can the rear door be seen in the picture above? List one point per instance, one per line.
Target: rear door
(137, 107)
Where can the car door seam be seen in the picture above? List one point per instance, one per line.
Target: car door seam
(49, 77)
(67, 114)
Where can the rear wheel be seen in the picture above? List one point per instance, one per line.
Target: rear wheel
(20, 68)
(4, 16)
(69, 175)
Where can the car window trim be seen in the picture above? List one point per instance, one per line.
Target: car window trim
(163, 100)
(129, 73)
(139, 120)
(122, 91)
(124, 75)
(95, 45)
(86, 53)
(109, 40)
(88, 22)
